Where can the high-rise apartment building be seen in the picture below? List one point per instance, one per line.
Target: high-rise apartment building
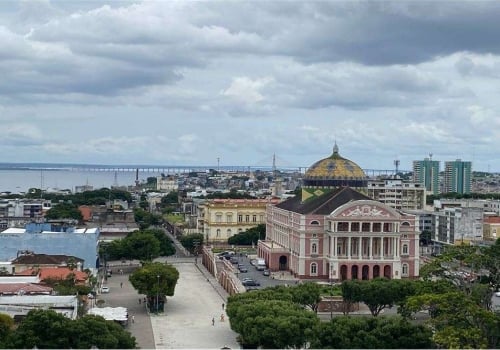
(426, 172)
(457, 176)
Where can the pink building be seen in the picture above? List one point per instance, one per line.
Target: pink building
(334, 233)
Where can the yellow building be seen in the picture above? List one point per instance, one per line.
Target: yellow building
(219, 219)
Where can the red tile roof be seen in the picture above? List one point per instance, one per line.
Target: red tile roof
(54, 273)
(26, 288)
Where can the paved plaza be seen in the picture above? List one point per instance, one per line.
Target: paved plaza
(187, 320)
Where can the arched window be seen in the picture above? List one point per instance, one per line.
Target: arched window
(218, 233)
(404, 269)
(314, 222)
(405, 249)
(314, 248)
(314, 269)
(229, 232)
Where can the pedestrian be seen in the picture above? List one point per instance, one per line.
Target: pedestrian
(222, 317)
(213, 321)
(121, 284)
(139, 300)
(133, 318)
(223, 306)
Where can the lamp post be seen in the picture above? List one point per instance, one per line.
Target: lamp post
(158, 293)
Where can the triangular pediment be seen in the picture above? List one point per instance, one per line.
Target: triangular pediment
(365, 209)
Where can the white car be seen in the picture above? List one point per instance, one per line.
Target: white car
(497, 294)
(105, 289)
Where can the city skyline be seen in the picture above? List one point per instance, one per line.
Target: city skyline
(196, 83)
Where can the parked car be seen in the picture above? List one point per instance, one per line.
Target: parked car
(104, 289)
(250, 283)
(497, 294)
(243, 269)
(266, 272)
(234, 260)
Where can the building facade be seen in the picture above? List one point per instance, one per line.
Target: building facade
(398, 194)
(426, 172)
(458, 176)
(333, 232)
(219, 219)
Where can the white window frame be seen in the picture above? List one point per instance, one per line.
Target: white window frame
(314, 269)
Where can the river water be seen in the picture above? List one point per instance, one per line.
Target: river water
(21, 180)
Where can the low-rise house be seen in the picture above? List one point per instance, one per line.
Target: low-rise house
(28, 260)
(56, 273)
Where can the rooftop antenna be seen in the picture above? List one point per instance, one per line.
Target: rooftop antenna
(41, 183)
(115, 183)
(218, 167)
(396, 164)
(430, 157)
(274, 164)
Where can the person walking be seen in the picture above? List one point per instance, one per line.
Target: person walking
(139, 300)
(222, 317)
(223, 306)
(121, 284)
(213, 321)
(133, 319)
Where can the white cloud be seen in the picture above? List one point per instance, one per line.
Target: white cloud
(246, 90)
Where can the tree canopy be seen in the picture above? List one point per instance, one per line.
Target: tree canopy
(143, 245)
(250, 236)
(47, 329)
(192, 242)
(457, 321)
(378, 293)
(156, 280)
(64, 211)
(95, 197)
(370, 333)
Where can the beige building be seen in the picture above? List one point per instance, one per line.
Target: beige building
(398, 194)
(219, 219)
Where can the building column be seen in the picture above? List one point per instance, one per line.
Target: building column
(349, 248)
(381, 248)
(360, 250)
(370, 251)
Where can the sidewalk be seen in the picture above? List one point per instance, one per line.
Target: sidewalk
(187, 321)
(126, 296)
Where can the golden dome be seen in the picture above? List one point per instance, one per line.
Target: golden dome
(334, 167)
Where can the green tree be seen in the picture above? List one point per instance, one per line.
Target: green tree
(351, 294)
(307, 294)
(191, 241)
(156, 280)
(271, 324)
(94, 331)
(142, 245)
(6, 327)
(457, 321)
(47, 329)
(146, 219)
(381, 293)
(250, 236)
(166, 245)
(64, 211)
(44, 329)
(370, 333)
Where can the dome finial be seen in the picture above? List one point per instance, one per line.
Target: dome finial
(335, 148)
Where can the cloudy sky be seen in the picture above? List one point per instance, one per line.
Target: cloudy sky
(185, 83)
